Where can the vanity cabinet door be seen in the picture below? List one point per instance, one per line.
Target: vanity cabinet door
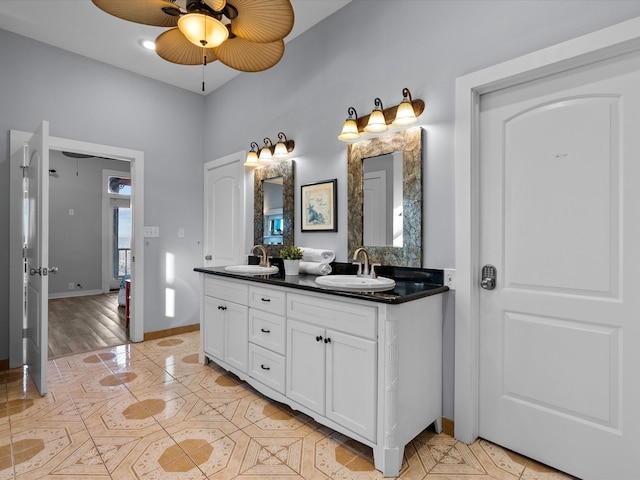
(306, 365)
(236, 336)
(226, 332)
(351, 383)
(213, 328)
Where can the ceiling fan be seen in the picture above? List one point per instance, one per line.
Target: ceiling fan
(246, 35)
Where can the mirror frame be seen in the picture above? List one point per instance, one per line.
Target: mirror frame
(410, 143)
(285, 170)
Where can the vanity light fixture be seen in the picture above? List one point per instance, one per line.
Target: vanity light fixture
(266, 155)
(405, 114)
(283, 148)
(376, 122)
(252, 156)
(350, 127)
(397, 117)
(269, 152)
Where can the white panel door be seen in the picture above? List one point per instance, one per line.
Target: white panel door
(560, 220)
(224, 211)
(37, 333)
(374, 208)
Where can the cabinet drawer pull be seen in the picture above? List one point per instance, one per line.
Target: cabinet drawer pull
(319, 338)
(327, 340)
(264, 330)
(221, 307)
(265, 299)
(262, 366)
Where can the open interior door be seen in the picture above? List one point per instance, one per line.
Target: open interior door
(36, 161)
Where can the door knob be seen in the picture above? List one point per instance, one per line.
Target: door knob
(53, 269)
(488, 281)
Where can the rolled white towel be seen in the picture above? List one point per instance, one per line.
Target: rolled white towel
(315, 268)
(318, 255)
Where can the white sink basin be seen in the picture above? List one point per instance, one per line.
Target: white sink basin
(252, 269)
(353, 283)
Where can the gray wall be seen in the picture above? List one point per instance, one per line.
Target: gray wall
(373, 49)
(75, 241)
(90, 101)
(368, 49)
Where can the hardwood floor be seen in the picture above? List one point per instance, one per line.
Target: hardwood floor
(82, 324)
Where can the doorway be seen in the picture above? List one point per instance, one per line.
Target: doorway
(89, 240)
(136, 161)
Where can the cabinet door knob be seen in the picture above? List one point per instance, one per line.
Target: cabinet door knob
(319, 338)
(327, 340)
(264, 330)
(264, 367)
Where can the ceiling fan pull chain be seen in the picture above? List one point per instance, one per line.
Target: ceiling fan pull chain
(204, 64)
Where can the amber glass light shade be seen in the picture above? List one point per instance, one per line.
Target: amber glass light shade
(405, 114)
(252, 159)
(265, 155)
(203, 30)
(377, 123)
(280, 151)
(349, 131)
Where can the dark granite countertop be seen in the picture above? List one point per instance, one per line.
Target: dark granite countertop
(411, 283)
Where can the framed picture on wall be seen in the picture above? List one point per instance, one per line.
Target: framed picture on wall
(319, 206)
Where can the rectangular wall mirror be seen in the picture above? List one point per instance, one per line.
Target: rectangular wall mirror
(273, 204)
(385, 197)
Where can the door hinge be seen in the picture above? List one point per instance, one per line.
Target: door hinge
(24, 333)
(25, 160)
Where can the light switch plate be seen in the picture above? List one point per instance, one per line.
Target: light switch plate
(450, 278)
(151, 231)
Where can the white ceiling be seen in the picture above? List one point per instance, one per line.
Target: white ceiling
(80, 27)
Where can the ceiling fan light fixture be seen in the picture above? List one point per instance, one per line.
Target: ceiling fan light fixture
(203, 30)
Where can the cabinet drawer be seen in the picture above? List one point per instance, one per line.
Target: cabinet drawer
(267, 300)
(266, 367)
(226, 289)
(267, 330)
(337, 315)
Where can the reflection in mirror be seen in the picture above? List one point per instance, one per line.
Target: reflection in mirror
(273, 205)
(388, 244)
(273, 215)
(382, 200)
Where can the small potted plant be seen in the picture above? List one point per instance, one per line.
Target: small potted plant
(291, 257)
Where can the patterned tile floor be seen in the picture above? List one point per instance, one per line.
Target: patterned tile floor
(150, 411)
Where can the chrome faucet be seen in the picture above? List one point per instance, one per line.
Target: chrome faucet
(264, 261)
(363, 270)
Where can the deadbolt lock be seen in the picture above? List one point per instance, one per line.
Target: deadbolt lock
(488, 281)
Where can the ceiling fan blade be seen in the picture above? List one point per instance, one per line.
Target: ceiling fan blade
(146, 12)
(248, 56)
(262, 21)
(216, 5)
(174, 47)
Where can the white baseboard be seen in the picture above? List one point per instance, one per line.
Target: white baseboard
(78, 293)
